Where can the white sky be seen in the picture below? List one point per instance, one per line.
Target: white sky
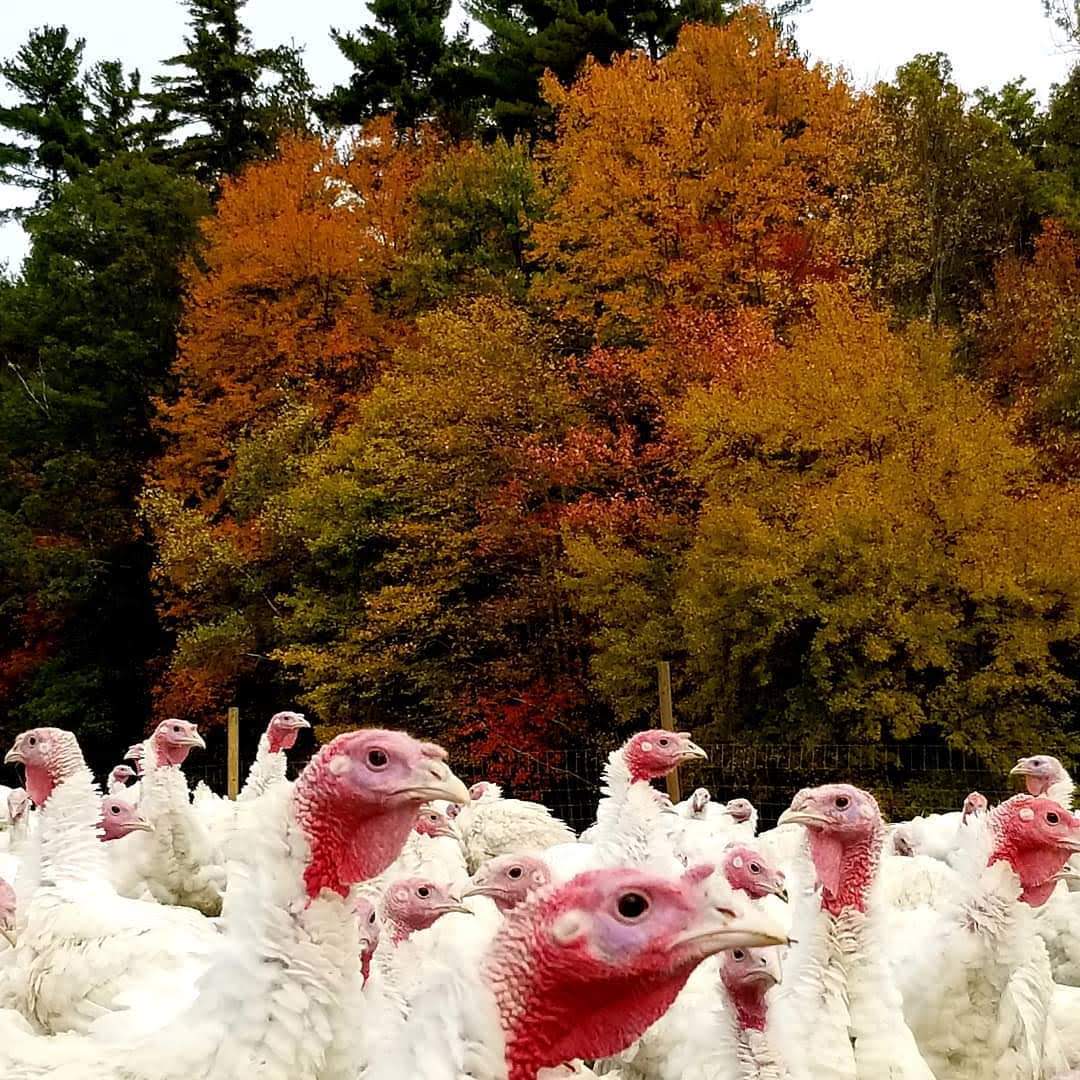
(989, 41)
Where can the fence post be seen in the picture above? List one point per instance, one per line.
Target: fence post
(234, 752)
(667, 722)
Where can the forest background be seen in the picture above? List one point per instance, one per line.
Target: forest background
(458, 396)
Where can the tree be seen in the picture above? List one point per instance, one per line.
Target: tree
(404, 64)
(87, 337)
(707, 179)
(474, 209)
(48, 120)
(875, 559)
(559, 36)
(283, 335)
(943, 192)
(241, 98)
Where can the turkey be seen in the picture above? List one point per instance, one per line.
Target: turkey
(82, 950)
(938, 836)
(509, 880)
(1045, 775)
(272, 1003)
(979, 967)
(731, 1039)
(178, 861)
(119, 818)
(490, 825)
(270, 764)
(412, 904)
(433, 849)
(119, 779)
(576, 972)
(839, 1013)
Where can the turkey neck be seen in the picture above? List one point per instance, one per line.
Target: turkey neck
(845, 869)
(269, 767)
(68, 838)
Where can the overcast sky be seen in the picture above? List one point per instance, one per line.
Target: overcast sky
(989, 41)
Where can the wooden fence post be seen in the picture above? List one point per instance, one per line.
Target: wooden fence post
(234, 752)
(667, 722)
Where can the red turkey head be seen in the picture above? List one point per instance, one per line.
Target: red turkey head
(845, 830)
(652, 754)
(120, 776)
(119, 818)
(974, 805)
(173, 740)
(750, 872)
(509, 879)
(369, 931)
(431, 822)
(748, 975)
(283, 729)
(358, 800)
(1039, 772)
(582, 970)
(1036, 836)
(415, 903)
(48, 756)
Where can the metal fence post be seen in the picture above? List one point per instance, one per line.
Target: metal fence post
(234, 752)
(667, 722)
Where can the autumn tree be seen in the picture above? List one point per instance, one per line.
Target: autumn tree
(283, 334)
(1026, 338)
(943, 191)
(875, 559)
(706, 179)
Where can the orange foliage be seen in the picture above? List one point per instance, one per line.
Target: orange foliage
(282, 306)
(705, 179)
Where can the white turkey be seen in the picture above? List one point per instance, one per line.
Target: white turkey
(272, 1003)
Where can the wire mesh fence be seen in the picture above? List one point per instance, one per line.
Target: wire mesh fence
(907, 779)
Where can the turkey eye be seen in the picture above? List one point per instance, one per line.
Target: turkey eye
(1052, 818)
(842, 802)
(423, 892)
(115, 809)
(662, 742)
(377, 759)
(738, 954)
(514, 872)
(371, 918)
(754, 868)
(632, 905)
(32, 741)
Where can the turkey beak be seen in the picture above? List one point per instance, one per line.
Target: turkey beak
(192, 739)
(13, 756)
(793, 816)
(453, 905)
(300, 722)
(717, 928)
(1072, 843)
(780, 890)
(691, 752)
(434, 780)
(1021, 768)
(140, 825)
(769, 971)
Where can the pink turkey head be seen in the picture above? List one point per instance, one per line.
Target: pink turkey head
(582, 970)
(974, 805)
(415, 903)
(369, 930)
(283, 729)
(432, 822)
(902, 842)
(172, 741)
(652, 754)
(18, 804)
(740, 810)
(119, 818)
(1036, 836)
(358, 799)
(509, 879)
(750, 872)
(845, 831)
(1039, 772)
(119, 777)
(484, 789)
(48, 756)
(699, 801)
(748, 975)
